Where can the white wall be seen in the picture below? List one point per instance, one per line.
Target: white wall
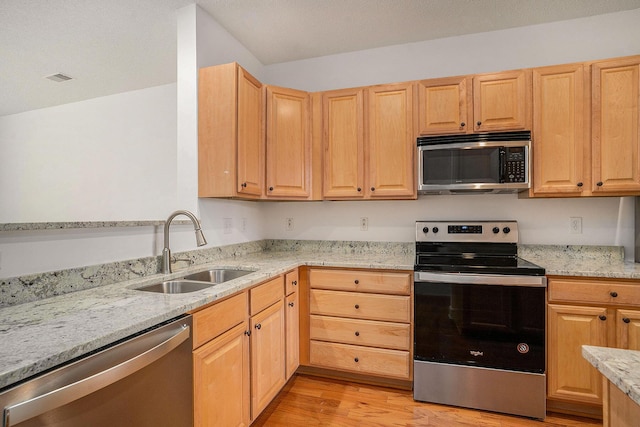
(105, 159)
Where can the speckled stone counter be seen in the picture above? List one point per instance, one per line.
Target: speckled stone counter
(587, 261)
(41, 334)
(621, 367)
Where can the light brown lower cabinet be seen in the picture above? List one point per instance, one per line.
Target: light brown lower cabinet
(586, 311)
(618, 410)
(360, 322)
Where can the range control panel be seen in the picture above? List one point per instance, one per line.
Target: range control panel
(467, 231)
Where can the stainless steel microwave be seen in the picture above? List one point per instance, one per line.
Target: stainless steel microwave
(474, 163)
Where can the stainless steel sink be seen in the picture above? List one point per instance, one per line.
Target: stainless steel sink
(176, 287)
(217, 275)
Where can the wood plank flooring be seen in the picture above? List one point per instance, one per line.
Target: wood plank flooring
(311, 401)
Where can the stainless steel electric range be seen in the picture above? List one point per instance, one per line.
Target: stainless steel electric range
(479, 335)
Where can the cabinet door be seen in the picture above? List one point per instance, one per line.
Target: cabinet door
(502, 101)
(444, 105)
(628, 329)
(391, 146)
(616, 158)
(288, 150)
(343, 142)
(221, 380)
(250, 135)
(560, 119)
(267, 356)
(570, 376)
(292, 320)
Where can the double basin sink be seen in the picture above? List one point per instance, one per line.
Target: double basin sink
(196, 281)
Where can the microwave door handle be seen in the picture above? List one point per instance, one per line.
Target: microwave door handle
(503, 164)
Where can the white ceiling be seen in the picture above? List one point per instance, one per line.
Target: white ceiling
(113, 46)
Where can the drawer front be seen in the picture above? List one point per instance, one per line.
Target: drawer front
(361, 281)
(218, 318)
(291, 282)
(361, 332)
(594, 291)
(365, 360)
(262, 296)
(358, 305)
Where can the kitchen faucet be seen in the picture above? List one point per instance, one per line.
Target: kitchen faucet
(166, 253)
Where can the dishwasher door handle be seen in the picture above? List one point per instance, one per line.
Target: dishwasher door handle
(19, 412)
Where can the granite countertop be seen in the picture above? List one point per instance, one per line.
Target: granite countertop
(621, 367)
(42, 334)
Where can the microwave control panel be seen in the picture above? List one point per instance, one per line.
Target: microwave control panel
(515, 164)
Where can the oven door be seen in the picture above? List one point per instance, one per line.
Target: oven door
(493, 321)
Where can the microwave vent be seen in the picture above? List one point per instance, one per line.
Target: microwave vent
(475, 137)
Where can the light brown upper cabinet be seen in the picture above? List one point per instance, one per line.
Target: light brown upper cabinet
(343, 141)
(230, 133)
(444, 105)
(369, 145)
(561, 146)
(391, 148)
(615, 131)
(502, 101)
(288, 152)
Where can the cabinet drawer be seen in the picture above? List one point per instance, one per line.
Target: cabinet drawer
(361, 281)
(360, 305)
(218, 318)
(262, 296)
(291, 282)
(594, 291)
(365, 360)
(361, 332)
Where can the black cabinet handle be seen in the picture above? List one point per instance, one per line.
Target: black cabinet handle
(294, 283)
(613, 294)
(599, 183)
(357, 333)
(243, 185)
(626, 320)
(357, 306)
(258, 326)
(602, 317)
(247, 333)
(580, 184)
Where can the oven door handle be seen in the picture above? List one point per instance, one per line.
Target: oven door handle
(480, 279)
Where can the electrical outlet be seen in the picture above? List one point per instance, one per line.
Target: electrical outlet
(364, 223)
(228, 225)
(288, 225)
(575, 225)
(243, 227)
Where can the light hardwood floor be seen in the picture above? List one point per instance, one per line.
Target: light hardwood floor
(310, 401)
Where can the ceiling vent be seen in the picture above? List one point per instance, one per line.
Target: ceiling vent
(59, 77)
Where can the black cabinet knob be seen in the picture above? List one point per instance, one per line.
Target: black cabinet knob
(258, 326)
(357, 306)
(356, 360)
(626, 320)
(358, 333)
(359, 189)
(599, 183)
(463, 124)
(614, 294)
(290, 304)
(247, 333)
(373, 188)
(602, 317)
(479, 123)
(294, 283)
(580, 184)
(356, 281)
(270, 188)
(243, 185)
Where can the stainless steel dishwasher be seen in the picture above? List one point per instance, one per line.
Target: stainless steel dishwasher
(144, 380)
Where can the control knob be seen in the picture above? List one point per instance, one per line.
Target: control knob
(495, 230)
(425, 230)
(506, 230)
(435, 229)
